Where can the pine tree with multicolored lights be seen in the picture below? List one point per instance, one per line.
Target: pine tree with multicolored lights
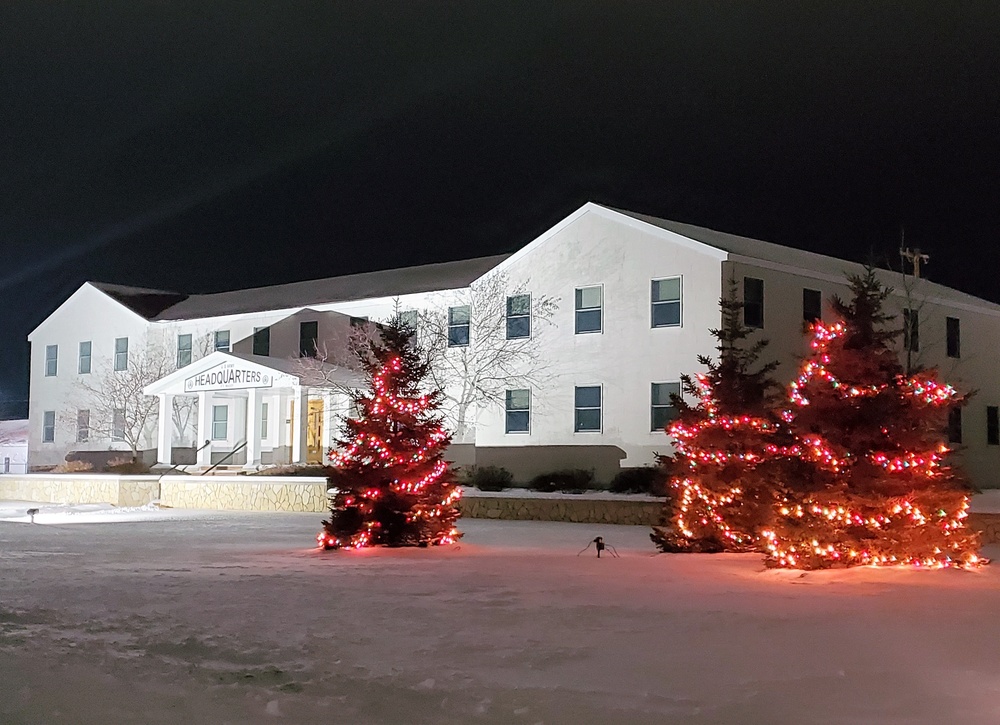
(393, 486)
(720, 495)
(876, 486)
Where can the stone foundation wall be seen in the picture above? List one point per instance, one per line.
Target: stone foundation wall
(73, 488)
(244, 493)
(568, 508)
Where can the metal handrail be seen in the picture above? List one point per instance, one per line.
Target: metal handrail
(225, 458)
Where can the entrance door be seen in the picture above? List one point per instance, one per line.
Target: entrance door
(314, 431)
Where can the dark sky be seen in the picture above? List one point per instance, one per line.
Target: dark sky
(201, 146)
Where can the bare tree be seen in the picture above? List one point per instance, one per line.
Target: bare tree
(497, 351)
(185, 407)
(117, 407)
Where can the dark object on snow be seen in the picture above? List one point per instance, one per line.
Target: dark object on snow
(599, 544)
(31, 513)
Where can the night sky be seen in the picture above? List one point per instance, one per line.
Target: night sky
(202, 146)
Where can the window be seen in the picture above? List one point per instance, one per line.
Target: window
(6, 464)
(589, 307)
(518, 408)
(812, 305)
(121, 353)
(665, 299)
(753, 302)
(263, 420)
(48, 426)
(220, 422)
(51, 360)
(955, 425)
(222, 340)
(409, 318)
(262, 341)
(954, 335)
(83, 366)
(184, 349)
(458, 326)
(82, 426)
(911, 331)
(587, 402)
(992, 425)
(308, 334)
(118, 424)
(662, 409)
(518, 317)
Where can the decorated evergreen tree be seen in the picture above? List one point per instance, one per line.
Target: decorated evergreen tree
(875, 487)
(720, 496)
(393, 486)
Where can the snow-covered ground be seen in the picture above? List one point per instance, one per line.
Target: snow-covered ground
(151, 616)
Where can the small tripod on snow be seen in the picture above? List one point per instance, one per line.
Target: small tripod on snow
(599, 544)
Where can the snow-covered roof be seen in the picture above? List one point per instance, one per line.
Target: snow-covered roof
(14, 432)
(808, 262)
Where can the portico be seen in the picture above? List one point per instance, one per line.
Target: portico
(255, 409)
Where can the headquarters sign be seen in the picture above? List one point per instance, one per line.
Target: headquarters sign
(228, 376)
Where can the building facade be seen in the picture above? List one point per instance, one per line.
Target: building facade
(606, 310)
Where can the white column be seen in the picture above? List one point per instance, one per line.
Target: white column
(164, 429)
(205, 400)
(253, 427)
(299, 422)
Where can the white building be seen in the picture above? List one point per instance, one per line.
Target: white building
(13, 446)
(633, 296)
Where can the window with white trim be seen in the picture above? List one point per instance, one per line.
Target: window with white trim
(587, 408)
(82, 426)
(83, 363)
(518, 317)
(118, 424)
(51, 360)
(665, 300)
(753, 302)
(121, 354)
(49, 426)
(661, 405)
(518, 411)
(263, 421)
(458, 326)
(185, 350)
(220, 422)
(222, 340)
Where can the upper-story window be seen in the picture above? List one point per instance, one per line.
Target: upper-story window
(954, 336)
(222, 340)
(911, 330)
(812, 305)
(665, 299)
(753, 302)
(185, 349)
(518, 316)
(83, 363)
(51, 360)
(121, 353)
(308, 337)
(262, 341)
(589, 309)
(955, 425)
(458, 326)
(992, 425)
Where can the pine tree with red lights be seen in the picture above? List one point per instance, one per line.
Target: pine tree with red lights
(393, 486)
(875, 485)
(720, 495)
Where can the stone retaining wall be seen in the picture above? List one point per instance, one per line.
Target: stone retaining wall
(76, 488)
(244, 493)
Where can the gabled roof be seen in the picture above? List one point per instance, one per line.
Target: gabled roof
(813, 264)
(384, 283)
(146, 303)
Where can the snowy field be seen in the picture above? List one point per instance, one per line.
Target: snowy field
(144, 616)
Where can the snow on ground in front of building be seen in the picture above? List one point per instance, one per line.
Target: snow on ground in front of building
(215, 617)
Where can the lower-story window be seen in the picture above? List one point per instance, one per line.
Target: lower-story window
(518, 411)
(49, 426)
(587, 408)
(220, 422)
(118, 424)
(662, 408)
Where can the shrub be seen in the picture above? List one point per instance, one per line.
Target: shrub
(314, 470)
(647, 479)
(73, 467)
(489, 478)
(577, 479)
(127, 467)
